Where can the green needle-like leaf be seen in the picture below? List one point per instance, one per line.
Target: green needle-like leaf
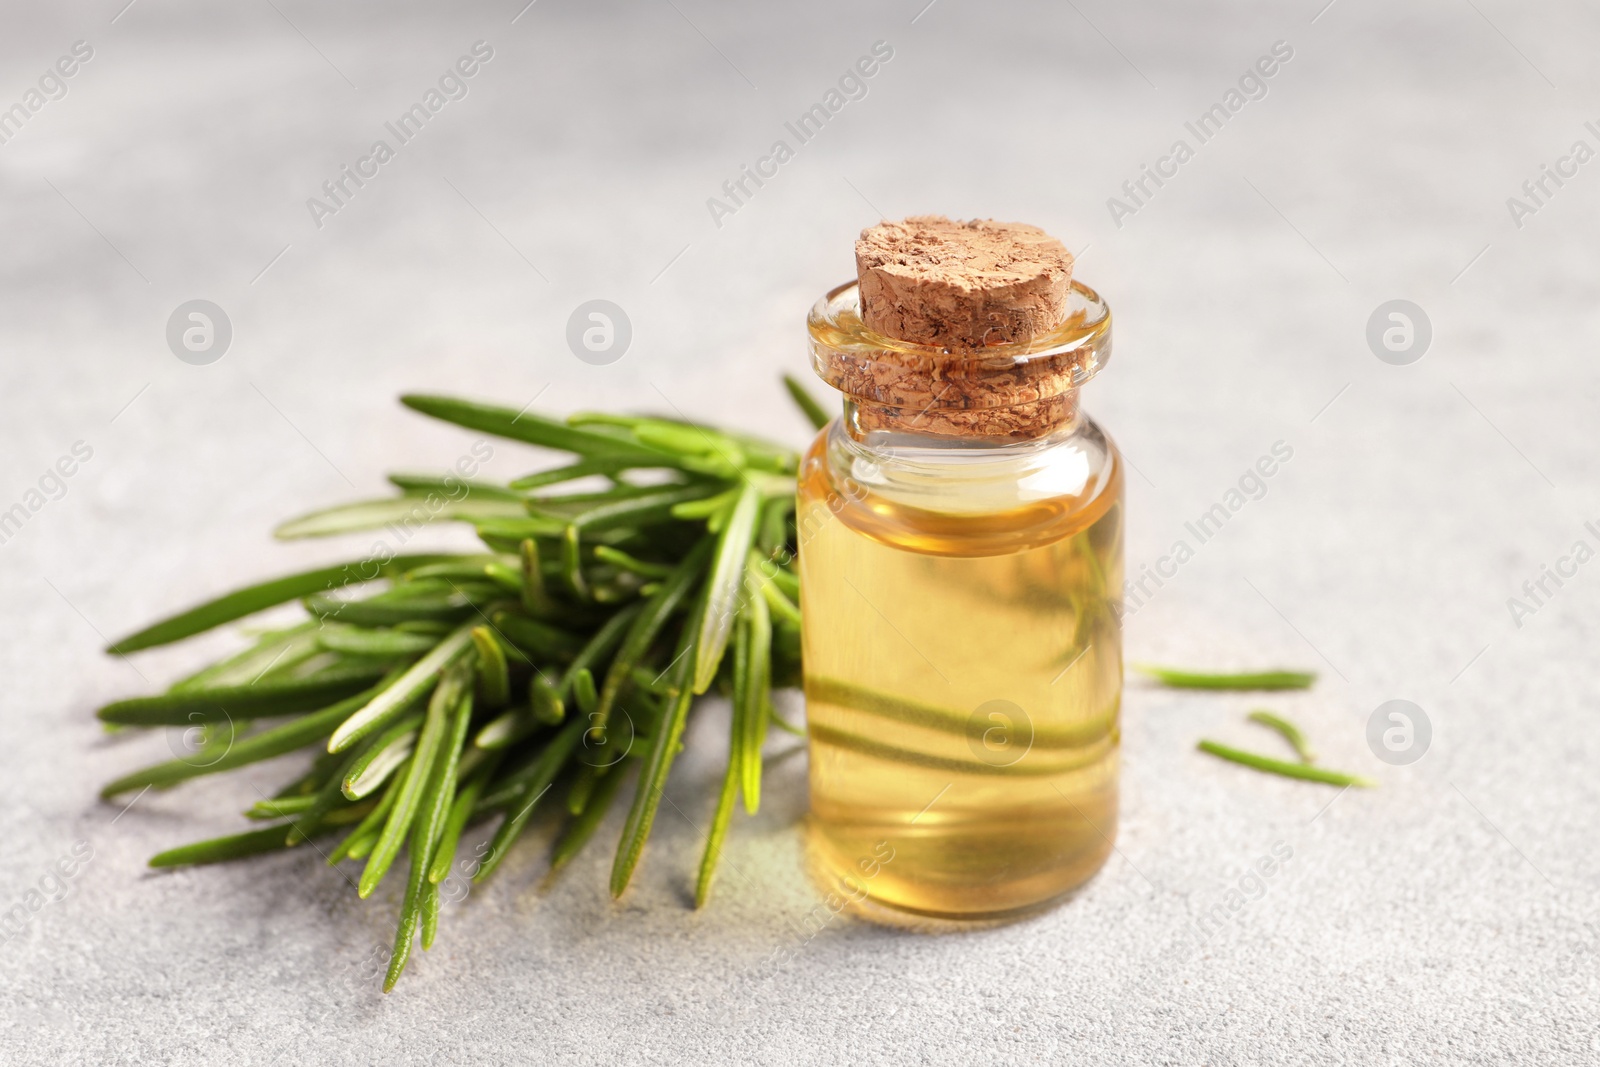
(535, 430)
(537, 780)
(456, 822)
(409, 688)
(1182, 679)
(728, 798)
(380, 757)
(583, 826)
(360, 841)
(449, 487)
(248, 601)
(274, 742)
(356, 641)
(416, 780)
(422, 896)
(218, 849)
(723, 586)
(751, 691)
(1291, 733)
(493, 672)
(663, 749)
(1283, 767)
(234, 703)
(648, 623)
(402, 511)
(806, 402)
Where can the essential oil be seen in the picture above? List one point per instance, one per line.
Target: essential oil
(961, 566)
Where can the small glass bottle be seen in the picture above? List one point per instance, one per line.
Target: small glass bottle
(961, 576)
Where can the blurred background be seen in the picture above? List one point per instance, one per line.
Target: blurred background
(1395, 152)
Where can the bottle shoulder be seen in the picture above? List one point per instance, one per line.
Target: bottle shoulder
(965, 501)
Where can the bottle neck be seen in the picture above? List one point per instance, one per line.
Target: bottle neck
(873, 423)
(960, 397)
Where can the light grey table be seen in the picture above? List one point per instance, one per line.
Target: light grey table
(1446, 917)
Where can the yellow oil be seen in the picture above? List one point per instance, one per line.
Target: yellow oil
(963, 678)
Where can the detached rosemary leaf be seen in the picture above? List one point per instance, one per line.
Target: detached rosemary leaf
(805, 402)
(259, 597)
(194, 706)
(1291, 733)
(1288, 770)
(824, 690)
(1182, 679)
(723, 586)
(393, 701)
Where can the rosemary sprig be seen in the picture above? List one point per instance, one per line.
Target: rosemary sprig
(452, 689)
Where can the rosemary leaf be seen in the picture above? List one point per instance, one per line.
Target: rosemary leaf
(265, 745)
(1283, 767)
(660, 607)
(230, 703)
(663, 748)
(756, 684)
(259, 597)
(218, 849)
(1182, 679)
(805, 402)
(410, 687)
(723, 586)
(404, 812)
(536, 430)
(405, 511)
(494, 676)
(537, 779)
(583, 826)
(1291, 733)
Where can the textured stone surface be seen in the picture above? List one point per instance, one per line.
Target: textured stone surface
(1444, 918)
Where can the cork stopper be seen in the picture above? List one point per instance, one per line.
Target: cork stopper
(960, 329)
(951, 284)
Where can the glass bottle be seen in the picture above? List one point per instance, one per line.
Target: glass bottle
(961, 622)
